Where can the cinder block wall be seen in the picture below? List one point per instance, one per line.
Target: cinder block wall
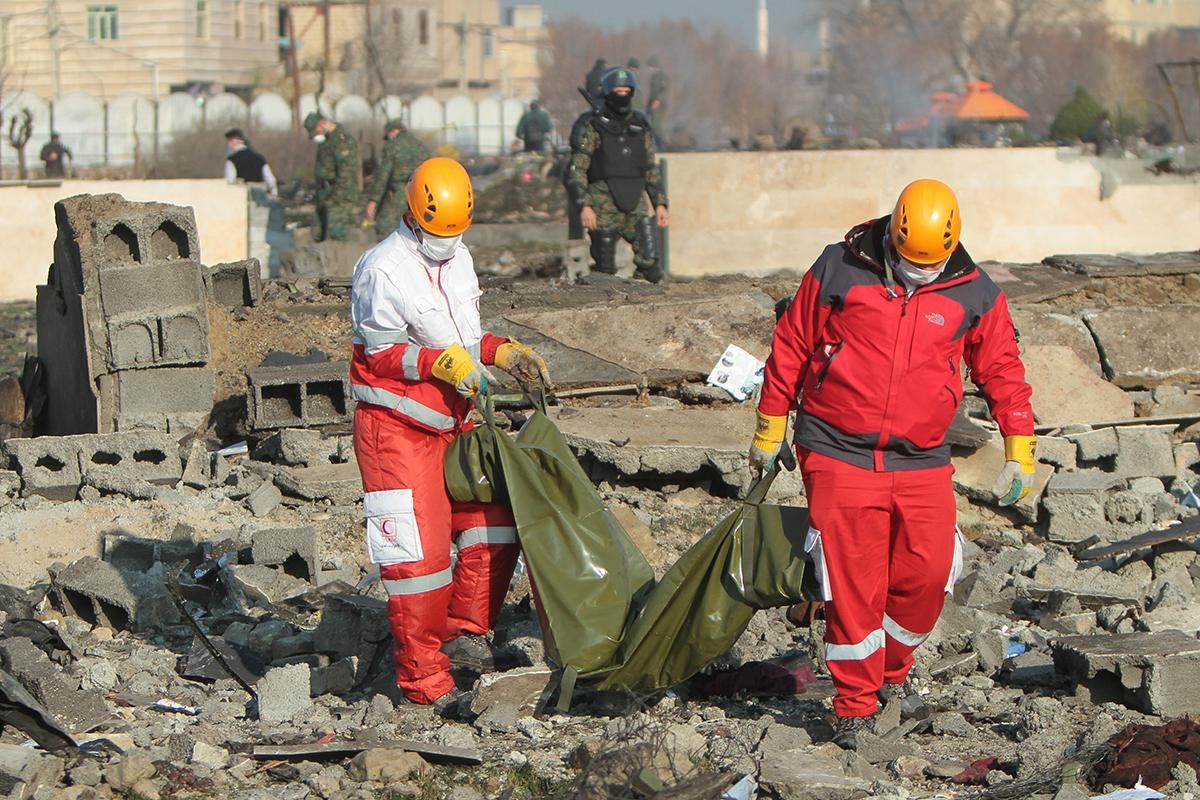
(739, 212)
(27, 225)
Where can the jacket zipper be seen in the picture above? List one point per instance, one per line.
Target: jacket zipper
(829, 363)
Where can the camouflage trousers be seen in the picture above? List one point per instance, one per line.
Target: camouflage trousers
(334, 221)
(637, 227)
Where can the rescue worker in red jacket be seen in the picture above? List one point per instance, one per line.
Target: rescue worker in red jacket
(420, 354)
(870, 351)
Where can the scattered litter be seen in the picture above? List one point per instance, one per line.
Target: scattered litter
(237, 449)
(178, 708)
(1138, 792)
(1015, 649)
(738, 373)
(745, 789)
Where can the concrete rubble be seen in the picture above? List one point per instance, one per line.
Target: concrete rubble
(188, 582)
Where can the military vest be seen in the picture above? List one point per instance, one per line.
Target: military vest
(621, 158)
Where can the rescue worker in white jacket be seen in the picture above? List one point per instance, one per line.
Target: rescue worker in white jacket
(419, 356)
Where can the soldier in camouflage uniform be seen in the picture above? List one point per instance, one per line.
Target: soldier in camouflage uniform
(336, 174)
(613, 169)
(402, 153)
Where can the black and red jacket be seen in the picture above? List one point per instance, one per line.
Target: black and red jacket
(876, 367)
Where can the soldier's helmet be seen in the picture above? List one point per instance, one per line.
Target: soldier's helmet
(618, 76)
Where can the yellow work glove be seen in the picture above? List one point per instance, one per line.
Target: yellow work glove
(768, 438)
(455, 366)
(1016, 479)
(522, 362)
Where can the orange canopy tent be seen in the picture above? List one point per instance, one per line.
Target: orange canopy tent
(980, 103)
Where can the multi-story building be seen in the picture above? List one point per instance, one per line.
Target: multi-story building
(107, 48)
(441, 47)
(1138, 19)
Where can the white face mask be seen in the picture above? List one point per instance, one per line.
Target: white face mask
(320, 137)
(438, 248)
(917, 275)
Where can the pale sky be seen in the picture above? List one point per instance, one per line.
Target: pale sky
(787, 17)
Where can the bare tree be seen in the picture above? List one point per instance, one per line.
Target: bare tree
(20, 131)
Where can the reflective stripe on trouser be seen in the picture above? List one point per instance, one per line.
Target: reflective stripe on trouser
(427, 603)
(888, 542)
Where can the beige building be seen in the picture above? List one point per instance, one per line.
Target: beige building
(107, 48)
(1138, 19)
(405, 47)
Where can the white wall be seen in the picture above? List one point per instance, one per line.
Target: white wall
(27, 223)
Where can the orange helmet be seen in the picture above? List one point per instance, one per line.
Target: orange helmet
(440, 197)
(926, 223)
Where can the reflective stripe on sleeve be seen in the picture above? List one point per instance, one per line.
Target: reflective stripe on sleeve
(902, 634)
(855, 652)
(374, 339)
(409, 362)
(496, 535)
(419, 584)
(405, 405)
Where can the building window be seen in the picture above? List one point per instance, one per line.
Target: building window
(101, 23)
(489, 43)
(239, 13)
(201, 19)
(423, 27)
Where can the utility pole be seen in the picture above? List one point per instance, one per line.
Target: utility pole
(293, 65)
(325, 33)
(52, 29)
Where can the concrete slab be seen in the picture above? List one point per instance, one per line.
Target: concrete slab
(1041, 328)
(975, 473)
(1033, 283)
(569, 368)
(675, 337)
(1067, 390)
(1143, 350)
(1157, 673)
(1122, 266)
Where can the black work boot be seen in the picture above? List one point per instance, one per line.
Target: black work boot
(845, 732)
(449, 705)
(912, 705)
(470, 651)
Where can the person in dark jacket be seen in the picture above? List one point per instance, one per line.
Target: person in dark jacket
(244, 163)
(55, 155)
(872, 346)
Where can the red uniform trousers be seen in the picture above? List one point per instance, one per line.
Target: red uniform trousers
(411, 522)
(884, 544)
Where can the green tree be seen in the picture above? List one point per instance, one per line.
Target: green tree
(1073, 119)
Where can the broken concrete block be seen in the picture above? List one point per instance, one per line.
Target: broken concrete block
(1051, 328)
(1095, 445)
(975, 474)
(24, 771)
(1066, 390)
(385, 765)
(1057, 450)
(339, 483)
(283, 693)
(175, 399)
(1145, 451)
(1140, 349)
(235, 284)
(1157, 673)
(500, 699)
(76, 709)
(337, 678)
(266, 585)
(1187, 456)
(304, 447)
(1083, 482)
(198, 470)
(353, 625)
(299, 395)
(98, 593)
(265, 499)
(990, 648)
(48, 466)
(1093, 587)
(801, 773)
(293, 549)
(1124, 507)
